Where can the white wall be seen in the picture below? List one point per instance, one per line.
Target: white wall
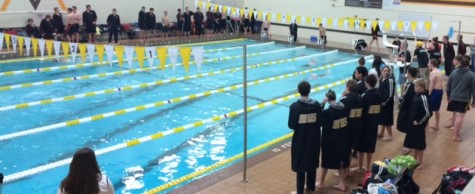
(15, 15)
(325, 9)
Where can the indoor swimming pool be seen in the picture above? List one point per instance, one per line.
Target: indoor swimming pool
(153, 129)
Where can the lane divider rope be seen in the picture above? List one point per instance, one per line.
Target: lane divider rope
(85, 65)
(143, 107)
(32, 171)
(116, 73)
(155, 83)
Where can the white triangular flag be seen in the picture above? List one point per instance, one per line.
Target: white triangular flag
(407, 24)
(173, 54)
(255, 15)
(204, 6)
(129, 54)
(324, 22)
(238, 13)
(27, 45)
(303, 20)
(357, 24)
(220, 7)
(314, 21)
(393, 25)
(228, 11)
(14, 42)
(264, 16)
(91, 49)
(198, 55)
(335, 23)
(1, 41)
(151, 55)
(273, 17)
(246, 13)
(196, 3)
(282, 20)
(369, 25)
(435, 25)
(381, 24)
(110, 53)
(420, 25)
(56, 46)
(345, 24)
(73, 48)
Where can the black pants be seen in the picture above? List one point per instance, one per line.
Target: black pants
(311, 178)
(449, 66)
(114, 31)
(199, 27)
(295, 37)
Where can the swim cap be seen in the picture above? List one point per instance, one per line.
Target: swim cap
(419, 44)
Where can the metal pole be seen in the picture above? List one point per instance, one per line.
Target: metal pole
(244, 172)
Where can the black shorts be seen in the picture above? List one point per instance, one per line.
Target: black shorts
(90, 28)
(60, 30)
(142, 27)
(246, 23)
(165, 29)
(375, 37)
(456, 106)
(72, 29)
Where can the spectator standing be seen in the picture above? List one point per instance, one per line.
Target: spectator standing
(113, 20)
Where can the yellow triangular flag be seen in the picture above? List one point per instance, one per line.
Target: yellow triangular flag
(162, 55)
(299, 19)
(8, 41)
(279, 17)
(400, 26)
(119, 51)
(387, 25)
(351, 23)
(288, 19)
(140, 51)
(208, 5)
(49, 48)
(82, 52)
(225, 9)
(309, 21)
(330, 22)
(233, 11)
(319, 21)
(374, 24)
(362, 24)
(21, 41)
(340, 23)
(185, 55)
(428, 26)
(34, 43)
(260, 16)
(100, 52)
(65, 46)
(413, 26)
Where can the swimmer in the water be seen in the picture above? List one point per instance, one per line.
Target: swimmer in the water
(312, 62)
(315, 76)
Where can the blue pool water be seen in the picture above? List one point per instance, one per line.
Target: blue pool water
(148, 165)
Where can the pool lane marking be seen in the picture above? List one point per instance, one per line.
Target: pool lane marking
(32, 171)
(84, 65)
(161, 82)
(38, 58)
(140, 107)
(119, 73)
(215, 166)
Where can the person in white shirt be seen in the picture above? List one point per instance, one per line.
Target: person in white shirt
(84, 176)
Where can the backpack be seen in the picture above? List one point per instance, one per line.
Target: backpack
(453, 181)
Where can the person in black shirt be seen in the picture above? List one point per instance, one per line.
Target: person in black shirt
(423, 61)
(89, 18)
(31, 29)
(387, 89)
(209, 22)
(47, 28)
(405, 101)
(198, 19)
(371, 102)
(142, 24)
(179, 22)
(335, 143)
(360, 74)
(352, 101)
(187, 23)
(397, 42)
(449, 55)
(462, 48)
(58, 24)
(217, 17)
(150, 22)
(374, 34)
(293, 30)
(114, 24)
(253, 22)
(434, 49)
(304, 119)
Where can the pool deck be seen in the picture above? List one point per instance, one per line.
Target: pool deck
(269, 171)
